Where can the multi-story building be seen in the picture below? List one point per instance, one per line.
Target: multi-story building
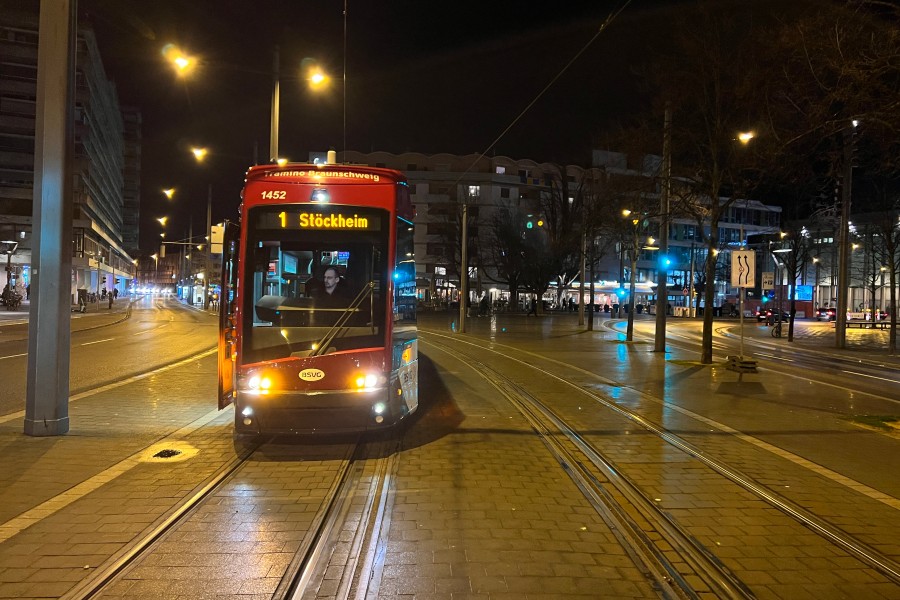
(105, 162)
(439, 184)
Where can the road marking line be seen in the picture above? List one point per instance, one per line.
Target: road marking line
(13, 355)
(785, 454)
(111, 386)
(97, 342)
(35, 515)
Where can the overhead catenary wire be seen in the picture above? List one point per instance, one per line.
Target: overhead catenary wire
(606, 23)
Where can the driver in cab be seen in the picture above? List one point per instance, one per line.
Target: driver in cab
(333, 291)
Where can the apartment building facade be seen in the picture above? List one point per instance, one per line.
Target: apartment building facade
(441, 183)
(105, 162)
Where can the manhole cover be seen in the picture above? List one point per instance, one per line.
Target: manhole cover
(167, 453)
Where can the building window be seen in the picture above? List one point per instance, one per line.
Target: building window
(500, 170)
(504, 192)
(474, 191)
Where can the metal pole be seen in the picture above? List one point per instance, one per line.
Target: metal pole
(344, 140)
(190, 261)
(276, 105)
(840, 323)
(662, 294)
(207, 276)
(464, 269)
(47, 387)
(581, 277)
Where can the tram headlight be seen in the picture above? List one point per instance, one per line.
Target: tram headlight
(259, 383)
(366, 381)
(379, 408)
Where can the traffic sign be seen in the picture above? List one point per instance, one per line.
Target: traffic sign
(768, 280)
(743, 268)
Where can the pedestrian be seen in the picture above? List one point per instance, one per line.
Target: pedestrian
(532, 310)
(110, 296)
(115, 293)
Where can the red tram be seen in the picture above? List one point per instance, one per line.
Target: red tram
(317, 319)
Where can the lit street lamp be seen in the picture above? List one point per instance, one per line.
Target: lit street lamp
(199, 153)
(313, 75)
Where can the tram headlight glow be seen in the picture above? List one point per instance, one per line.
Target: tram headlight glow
(247, 412)
(259, 383)
(379, 408)
(367, 380)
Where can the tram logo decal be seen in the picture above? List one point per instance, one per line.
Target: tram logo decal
(312, 374)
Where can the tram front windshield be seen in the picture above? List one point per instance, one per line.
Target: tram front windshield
(315, 280)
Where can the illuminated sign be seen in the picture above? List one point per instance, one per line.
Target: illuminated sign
(307, 218)
(327, 173)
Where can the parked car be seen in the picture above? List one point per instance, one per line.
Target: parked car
(770, 314)
(826, 313)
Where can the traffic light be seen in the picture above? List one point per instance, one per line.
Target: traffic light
(620, 293)
(529, 225)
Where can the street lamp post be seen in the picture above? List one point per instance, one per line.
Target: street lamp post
(155, 258)
(276, 108)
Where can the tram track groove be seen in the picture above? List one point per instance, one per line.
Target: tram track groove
(307, 558)
(832, 533)
(646, 533)
(121, 561)
(313, 558)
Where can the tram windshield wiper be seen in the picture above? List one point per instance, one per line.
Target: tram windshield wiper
(340, 325)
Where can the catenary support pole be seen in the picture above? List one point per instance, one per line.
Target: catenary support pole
(662, 293)
(464, 269)
(49, 334)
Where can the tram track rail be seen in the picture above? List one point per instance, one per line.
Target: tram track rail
(645, 532)
(876, 560)
(359, 493)
(94, 585)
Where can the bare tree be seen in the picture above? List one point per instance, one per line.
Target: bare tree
(711, 81)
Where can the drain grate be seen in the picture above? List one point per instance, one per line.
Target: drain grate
(167, 453)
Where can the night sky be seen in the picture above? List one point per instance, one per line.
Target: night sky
(421, 76)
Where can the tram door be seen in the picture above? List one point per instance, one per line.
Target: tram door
(227, 307)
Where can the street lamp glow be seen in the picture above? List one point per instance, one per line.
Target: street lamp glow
(746, 136)
(182, 63)
(162, 220)
(199, 153)
(169, 193)
(318, 79)
(281, 161)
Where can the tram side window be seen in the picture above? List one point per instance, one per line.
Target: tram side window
(405, 275)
